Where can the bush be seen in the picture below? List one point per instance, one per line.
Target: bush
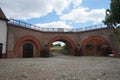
(65, 50)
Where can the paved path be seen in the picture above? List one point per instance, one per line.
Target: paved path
(60, 68)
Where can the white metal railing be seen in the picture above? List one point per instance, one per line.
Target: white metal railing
(31, 26)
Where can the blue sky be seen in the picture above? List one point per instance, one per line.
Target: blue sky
(57, 13)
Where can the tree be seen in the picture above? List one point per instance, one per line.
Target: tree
(115, 9)
(113, 14)
(65, 50)
(108, 19)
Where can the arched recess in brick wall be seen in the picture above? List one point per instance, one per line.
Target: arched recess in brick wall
(64, 39)
(95, 46)
(27, 39)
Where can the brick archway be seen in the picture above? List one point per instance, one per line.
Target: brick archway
(92, 46)
(27, 38)
(63, 39)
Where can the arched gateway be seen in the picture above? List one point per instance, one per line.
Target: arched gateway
(66, 40)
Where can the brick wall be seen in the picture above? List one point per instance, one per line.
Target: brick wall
(15, 33)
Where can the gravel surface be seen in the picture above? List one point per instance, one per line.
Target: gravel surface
(60, 68)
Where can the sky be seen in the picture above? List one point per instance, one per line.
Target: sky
(56, 13)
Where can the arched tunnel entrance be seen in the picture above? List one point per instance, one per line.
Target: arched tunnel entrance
(68, 47)
(60, 47)
(95, 46)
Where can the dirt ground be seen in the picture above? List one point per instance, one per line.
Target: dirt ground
(60, 68)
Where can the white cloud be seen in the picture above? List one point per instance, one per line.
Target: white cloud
(77, 3)
(54, 26)
(83, 15)
(26, 9)
(58, 42)
(57, 24)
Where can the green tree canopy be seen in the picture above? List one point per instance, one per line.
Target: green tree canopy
(113, 14)
(115, 9)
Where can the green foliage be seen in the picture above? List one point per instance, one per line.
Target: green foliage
(108, 19)
(113, 14)
(65, 50)
(115, 9)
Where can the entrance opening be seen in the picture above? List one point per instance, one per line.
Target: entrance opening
(27, 50)
(1, 50)
(95, 46)
(59, 47)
